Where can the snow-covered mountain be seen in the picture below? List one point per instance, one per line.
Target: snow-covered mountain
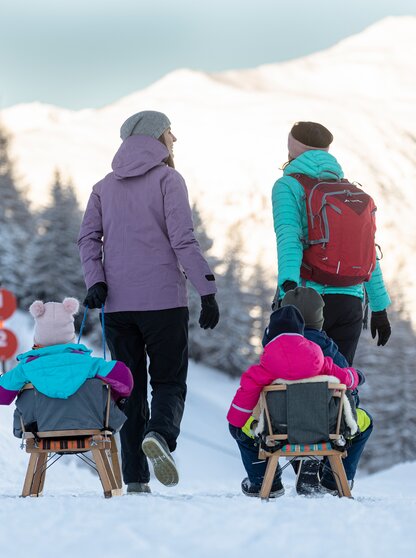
(232, 129)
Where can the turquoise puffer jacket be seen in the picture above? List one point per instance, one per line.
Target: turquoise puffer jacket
(291, 224)
(60, 370)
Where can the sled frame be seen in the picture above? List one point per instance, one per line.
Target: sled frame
(334, 456)
(45, 448)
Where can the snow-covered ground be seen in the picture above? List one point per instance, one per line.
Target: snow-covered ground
(205, 515)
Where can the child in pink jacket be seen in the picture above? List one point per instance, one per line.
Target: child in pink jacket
(288, 356)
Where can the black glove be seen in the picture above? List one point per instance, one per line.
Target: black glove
(289, 285)
(96, 295)
(380, 324)
(210, 313)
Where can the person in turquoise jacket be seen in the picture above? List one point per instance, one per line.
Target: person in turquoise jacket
(308, 146)
(57, 366)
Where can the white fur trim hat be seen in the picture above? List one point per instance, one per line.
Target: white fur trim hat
(54, 321)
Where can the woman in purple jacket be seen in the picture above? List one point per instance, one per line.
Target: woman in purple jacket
(137, 248)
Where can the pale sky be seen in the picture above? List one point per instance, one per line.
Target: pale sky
(89, 53)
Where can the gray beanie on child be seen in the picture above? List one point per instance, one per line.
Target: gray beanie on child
(145, 123)
(309, 303)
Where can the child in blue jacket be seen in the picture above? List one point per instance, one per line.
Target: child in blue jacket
(57, 366)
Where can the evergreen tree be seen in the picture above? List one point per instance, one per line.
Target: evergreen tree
(55, 269)
(231, 344)
(16, 225)
(199, 339)
(389, 394)
(260, 296)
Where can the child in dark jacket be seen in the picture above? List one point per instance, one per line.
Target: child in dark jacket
(310, 304)
(57, 366)
(288, 355)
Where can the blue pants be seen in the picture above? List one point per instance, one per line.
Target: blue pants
(351, 461)
(249, 450)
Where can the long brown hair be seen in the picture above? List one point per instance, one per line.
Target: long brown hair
(169, 158)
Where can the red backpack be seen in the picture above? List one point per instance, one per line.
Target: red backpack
(341, 232)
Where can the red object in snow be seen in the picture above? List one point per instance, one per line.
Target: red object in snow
(7, 304)
(8, 344)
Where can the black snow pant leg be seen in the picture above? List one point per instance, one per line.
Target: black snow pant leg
(163, 335)
(166, 338)
(126, 344)
(343, 322)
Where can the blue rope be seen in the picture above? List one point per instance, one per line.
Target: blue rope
(103, 328)
(81, 330)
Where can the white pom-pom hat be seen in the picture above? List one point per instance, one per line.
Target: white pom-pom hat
(54, 321)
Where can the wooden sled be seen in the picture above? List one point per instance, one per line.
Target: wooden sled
(45, 448)
(302, 450)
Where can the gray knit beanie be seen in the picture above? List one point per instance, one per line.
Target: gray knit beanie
(309, 303)
(145, 123)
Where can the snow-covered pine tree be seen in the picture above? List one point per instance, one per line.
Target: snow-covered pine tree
(199, 340)
(55, 270)
(260, 295)
(389, 395)
(232, 347)
(16, 225)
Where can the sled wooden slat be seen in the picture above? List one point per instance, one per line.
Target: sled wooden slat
(334, 456)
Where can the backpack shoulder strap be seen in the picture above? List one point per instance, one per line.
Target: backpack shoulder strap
(308, 183)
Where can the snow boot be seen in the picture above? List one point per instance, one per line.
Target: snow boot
(330, 487)
(253, 491)
(138, 488)
(307, 479)
(156, 449)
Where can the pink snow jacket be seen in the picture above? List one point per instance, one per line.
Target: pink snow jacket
(288, 356)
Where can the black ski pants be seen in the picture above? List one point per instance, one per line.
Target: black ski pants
(343, 322)
(161, 335)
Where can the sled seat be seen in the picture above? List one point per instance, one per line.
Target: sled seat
(302, 420)
(45, 448)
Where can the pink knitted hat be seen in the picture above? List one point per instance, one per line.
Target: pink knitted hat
(54, 321)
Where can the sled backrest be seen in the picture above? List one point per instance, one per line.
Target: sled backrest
(302, 413)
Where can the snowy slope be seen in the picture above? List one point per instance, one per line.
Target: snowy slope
(205, 515)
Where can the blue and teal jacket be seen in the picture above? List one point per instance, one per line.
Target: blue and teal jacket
(60, 370)
(291, 225)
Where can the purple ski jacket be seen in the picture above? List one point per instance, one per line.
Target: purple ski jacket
(137, 233)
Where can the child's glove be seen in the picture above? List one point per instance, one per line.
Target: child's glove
(249, 427)
(361, 377)
(351, 378)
